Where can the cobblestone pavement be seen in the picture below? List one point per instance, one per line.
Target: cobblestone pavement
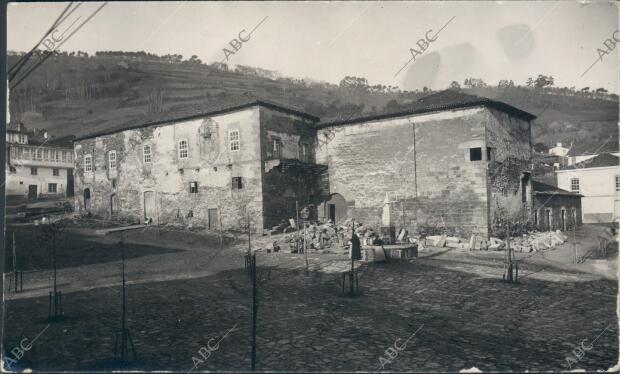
(465, 314)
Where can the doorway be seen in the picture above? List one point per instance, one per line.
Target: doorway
(213, 219)
(87, 198)
(113, 205)
(549, 220)
(150, 206)
(331, 212)
(563, 218)
(32, 191)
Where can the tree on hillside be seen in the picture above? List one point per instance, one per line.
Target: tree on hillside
(474, 83)
(543, 81)
(455, 85)
(354, 83)
(529, 82)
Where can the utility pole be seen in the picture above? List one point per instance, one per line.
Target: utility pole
(14, 264)
(219, 218)
(306, 250)
(352, 256)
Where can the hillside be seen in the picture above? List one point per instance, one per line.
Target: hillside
(72, 95)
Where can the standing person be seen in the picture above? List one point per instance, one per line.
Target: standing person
(356, 252)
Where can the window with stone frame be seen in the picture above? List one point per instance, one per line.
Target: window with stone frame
(234, 140)
(112, 160)
(183, 149)
(574, 184)
(146, 154)
(88, 164)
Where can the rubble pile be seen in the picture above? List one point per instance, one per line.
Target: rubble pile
(535, 241)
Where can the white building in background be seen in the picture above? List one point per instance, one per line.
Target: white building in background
(558, 150)
(598, 180)
(37, 166)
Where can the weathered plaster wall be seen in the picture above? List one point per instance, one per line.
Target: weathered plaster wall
(509, 138)
(370, 160)
(211, 164)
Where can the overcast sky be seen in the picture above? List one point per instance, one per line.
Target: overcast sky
(329, 40)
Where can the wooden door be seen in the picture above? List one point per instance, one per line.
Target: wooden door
(214, 219)
(32, 191)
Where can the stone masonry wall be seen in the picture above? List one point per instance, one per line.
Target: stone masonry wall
(372, 160)
(211, 163)
(509, 139)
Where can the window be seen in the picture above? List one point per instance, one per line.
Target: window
(236, 183)
(57, 156)
(113, 183)
(12, 169)
(112, 160)
(64, 156)
(277, 148)
(574, 184)
(33, 171)
(617, 183)
(146, 153)
(55, 172)
(233, 139)
(46, 154)
(475, 154)
(39, 154)
(88, 163)
(22, 139)
(183, 149)
(51, 188)
(193, 187)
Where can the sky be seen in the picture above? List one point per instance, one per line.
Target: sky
(330, 40)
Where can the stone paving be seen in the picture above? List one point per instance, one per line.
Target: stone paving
(465, 317)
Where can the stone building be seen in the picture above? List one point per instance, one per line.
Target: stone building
(555, 208)
(453, 160)
(214, 168)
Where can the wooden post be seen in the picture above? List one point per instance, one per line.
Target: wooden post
(297, 224)
(254, 310)
(306, 250)
(249, 236)
(14, 263)
(352, 256)
(219, 219)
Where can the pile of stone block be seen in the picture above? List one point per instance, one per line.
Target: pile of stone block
(534, 241)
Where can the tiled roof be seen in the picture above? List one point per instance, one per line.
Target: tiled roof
(444, 100)
(590, 148)
(602, 160)
(206, 108)
(541, 188)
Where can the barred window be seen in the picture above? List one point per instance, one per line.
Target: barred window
(617, 183)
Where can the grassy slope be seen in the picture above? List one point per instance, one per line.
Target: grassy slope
(54, 98)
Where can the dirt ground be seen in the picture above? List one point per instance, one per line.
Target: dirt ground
(184, 289)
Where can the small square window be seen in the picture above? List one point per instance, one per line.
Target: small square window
(33, 171)
(475, 154)
(236, 183)
(193, 187)
(51, 187)
(617, 183)
(276, 148)
(114, 183)
(55, 172)
(12, 169)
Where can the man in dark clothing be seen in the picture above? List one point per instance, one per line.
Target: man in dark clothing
(356, 252)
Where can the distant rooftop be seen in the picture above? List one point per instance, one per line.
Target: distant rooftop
(206, 108)
(444, 100)
(541, 188)
(602, 160)
(591, 148)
